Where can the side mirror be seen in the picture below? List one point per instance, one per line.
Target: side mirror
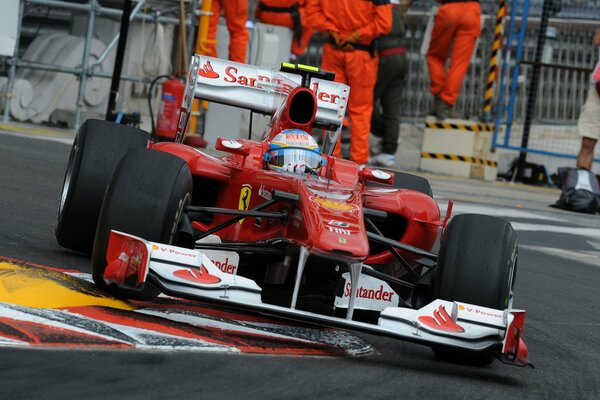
(231, 146)
(376, 175)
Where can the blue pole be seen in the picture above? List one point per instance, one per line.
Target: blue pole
(515, 77)
(509, 40)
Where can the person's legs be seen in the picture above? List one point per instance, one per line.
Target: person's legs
(212, 27)
(384, 74)
(361, 70)
(334, 61)
(391, 101)
(586, 153)
(236, 15)
(437, 54)
(464, 44)
(589, 128)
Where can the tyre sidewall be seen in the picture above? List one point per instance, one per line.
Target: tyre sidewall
(477, 261)
(145, 198)
(97, 149)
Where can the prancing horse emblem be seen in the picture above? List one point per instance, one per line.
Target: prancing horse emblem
(245, 195)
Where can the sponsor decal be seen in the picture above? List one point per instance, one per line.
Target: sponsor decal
(441, 321)
(244, 201)
(232, 144)
(207, 71)
(197, 276)
(264, 193)
(175, 251)
(334, 205)
(478, 311)
(337, 195)
(339, 224)
(325, 97)
(225, 266)
(233, 75)
(294, 140)
(251, 77)
(371, 294)
(379, 174)
(340, 231)
(342, 240)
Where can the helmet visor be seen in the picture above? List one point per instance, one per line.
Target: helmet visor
(293, 156)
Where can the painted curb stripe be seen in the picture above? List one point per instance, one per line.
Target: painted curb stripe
(452, 157)
(36, 130)
(48, 307)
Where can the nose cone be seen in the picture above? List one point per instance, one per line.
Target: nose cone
(337, 225)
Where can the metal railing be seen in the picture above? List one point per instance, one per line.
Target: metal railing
(85, 70)
(562, 91)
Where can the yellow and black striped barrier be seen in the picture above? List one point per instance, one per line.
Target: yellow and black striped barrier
(493, 74)
(465, 127)
(467, 159)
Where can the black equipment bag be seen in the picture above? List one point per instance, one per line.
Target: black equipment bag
(580, 190)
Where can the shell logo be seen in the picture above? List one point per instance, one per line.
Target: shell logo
(334, 205)
(461, 307)
(154, 247)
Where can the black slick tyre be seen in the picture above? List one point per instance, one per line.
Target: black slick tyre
(477, 265)
(404, 180)
(145, 198)
(97, 149)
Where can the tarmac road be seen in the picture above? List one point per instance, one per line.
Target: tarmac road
(558, 284)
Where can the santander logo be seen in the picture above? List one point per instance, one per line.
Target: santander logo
(371, 294)
(193, 275)
(248, 77)
(207, 71)
(225, 266)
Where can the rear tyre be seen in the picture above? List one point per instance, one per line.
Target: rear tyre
(476, 265)
(404, 180)
(145, 198)
(98, 147)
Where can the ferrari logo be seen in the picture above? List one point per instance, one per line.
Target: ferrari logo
(245, 195)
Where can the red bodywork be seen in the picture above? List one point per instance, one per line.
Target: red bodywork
(329, 216)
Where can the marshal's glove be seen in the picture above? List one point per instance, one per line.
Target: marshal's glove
(335, 38)
(354, 37)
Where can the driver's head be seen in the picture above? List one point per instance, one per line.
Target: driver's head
(294, 150)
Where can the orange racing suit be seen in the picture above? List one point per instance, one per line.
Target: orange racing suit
(236, 15)
(457, 24)
(352, 26)
(290, 13)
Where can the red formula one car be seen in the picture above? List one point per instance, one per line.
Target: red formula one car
(281, 226)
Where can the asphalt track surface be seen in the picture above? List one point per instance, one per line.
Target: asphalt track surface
(558, 284)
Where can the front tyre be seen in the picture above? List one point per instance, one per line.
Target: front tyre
(145, 198)
(476, 265)
(97, 149)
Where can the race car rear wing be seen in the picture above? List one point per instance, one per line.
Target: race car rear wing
(260, 90)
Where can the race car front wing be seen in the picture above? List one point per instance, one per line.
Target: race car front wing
(188, 273)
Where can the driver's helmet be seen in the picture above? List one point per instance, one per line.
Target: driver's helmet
(294, 150)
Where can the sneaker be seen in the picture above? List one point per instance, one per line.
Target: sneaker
(446, 110)
(383, 160)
